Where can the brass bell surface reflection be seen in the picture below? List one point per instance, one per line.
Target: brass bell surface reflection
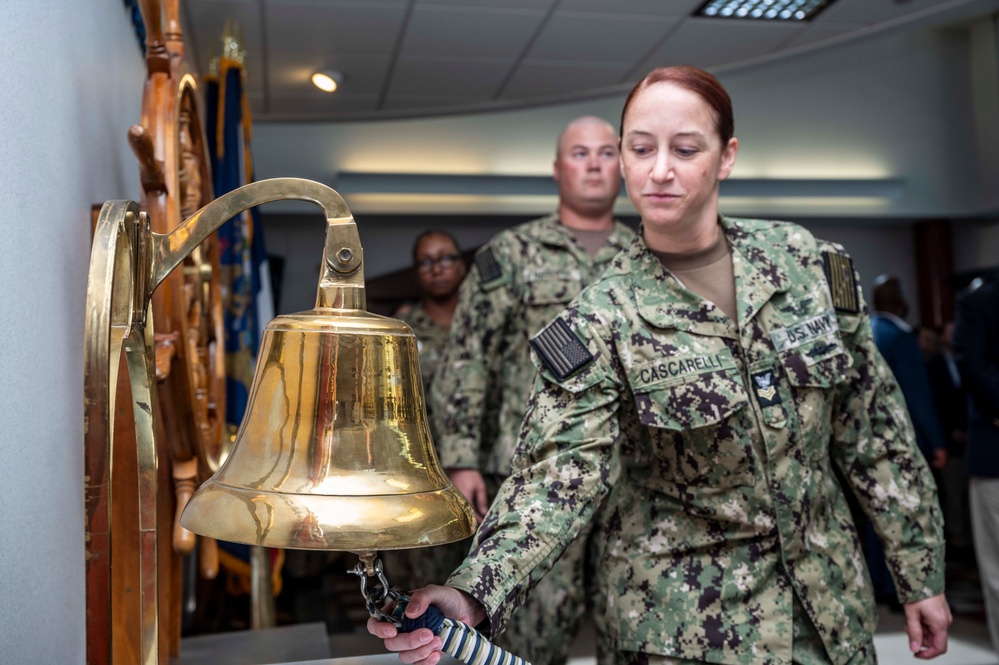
(334, 451)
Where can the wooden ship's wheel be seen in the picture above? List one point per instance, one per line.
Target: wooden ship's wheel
(187, 309)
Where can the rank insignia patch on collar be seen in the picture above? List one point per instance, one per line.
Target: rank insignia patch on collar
(842, 284)
(489, 269)
(766, 391)
(561, 350)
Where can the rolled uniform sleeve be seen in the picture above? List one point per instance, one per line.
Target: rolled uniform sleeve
(463, 394)
(562, 472)
(874, 445)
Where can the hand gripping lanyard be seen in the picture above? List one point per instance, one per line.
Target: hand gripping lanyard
(459, 640)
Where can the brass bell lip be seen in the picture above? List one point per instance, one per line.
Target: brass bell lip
(315, 521)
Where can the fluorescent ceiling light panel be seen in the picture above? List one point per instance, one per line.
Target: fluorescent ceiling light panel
(763, 10)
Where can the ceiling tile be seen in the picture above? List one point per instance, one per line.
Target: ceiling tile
(715, 42)
(291, 72)
(598, 38)
(341, 28)
(543, 79)
(333, 3)
(404, 102)
(328, 104)
(471, 32)
(813, 32)
(674, 8)
(542, 5)
(866, 11)
(457, 53)
(449, 76)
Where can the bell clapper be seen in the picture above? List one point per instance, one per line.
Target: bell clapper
(377, 597)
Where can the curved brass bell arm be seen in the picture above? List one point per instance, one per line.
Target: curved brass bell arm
(170, 249)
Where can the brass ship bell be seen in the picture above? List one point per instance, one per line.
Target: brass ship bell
(334, 451)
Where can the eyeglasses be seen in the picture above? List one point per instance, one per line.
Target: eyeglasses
(445, 262)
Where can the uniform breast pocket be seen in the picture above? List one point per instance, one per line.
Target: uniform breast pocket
(551, 290)
(813, 371)
(546, 297)
(701, 430)
(822, 363)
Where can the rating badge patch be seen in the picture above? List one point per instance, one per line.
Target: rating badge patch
(765, 388)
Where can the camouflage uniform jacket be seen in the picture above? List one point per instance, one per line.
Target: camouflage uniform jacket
(520, 280)
(430, 340)
(712, 445)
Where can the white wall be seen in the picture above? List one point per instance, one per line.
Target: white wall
(896, 106)
(72, 74)
(892, 107)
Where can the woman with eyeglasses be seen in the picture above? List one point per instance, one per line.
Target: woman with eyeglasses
(702, 391)
(440, 269)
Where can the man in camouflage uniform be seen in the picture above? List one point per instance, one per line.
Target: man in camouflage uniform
(520, 280)
(729, 539)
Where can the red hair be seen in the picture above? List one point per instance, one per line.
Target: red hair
(697, 81)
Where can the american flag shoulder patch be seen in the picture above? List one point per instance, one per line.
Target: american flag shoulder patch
(561, 350)
(842, 283)
(488, 267)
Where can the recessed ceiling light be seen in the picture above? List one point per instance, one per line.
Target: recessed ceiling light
(764, 10)
(328, 80)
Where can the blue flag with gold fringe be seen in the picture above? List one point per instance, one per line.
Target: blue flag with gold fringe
(248, 300)
(249, 303)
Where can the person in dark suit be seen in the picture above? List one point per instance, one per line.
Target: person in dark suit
(952, 407)
(945, 381)
(976, 350)
(899, 345)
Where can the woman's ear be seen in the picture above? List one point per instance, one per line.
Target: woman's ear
(728, 158)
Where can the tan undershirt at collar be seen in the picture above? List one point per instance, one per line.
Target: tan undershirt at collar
(708, 273)
(592, 241)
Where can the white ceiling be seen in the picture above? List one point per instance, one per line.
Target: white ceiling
(413, 58)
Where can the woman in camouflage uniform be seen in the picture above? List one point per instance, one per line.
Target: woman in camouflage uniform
(726, 365)
(440, 270)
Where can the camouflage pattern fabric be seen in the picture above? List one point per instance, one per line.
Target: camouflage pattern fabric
(521, 279)
(544, 627)
(480, 392)
(710, 446)
(807, 648)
